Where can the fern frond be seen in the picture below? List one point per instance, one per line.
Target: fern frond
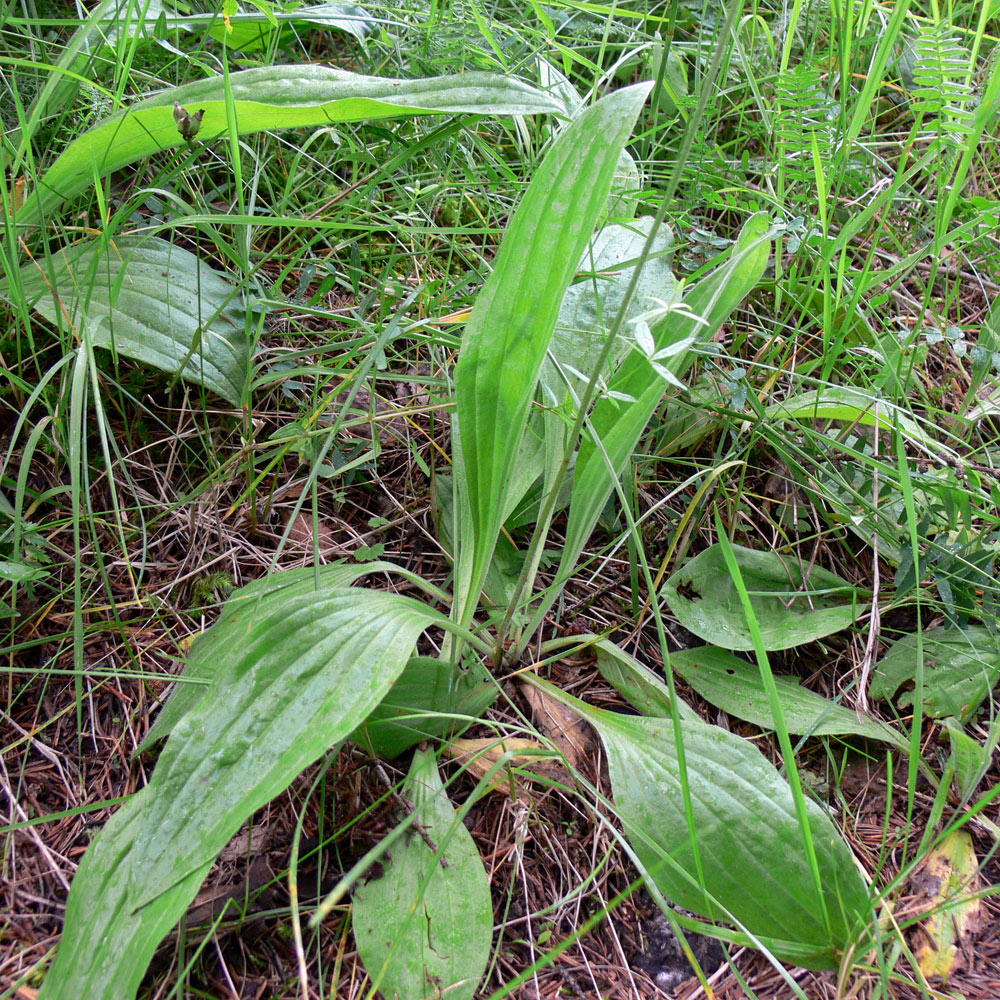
(940, 76)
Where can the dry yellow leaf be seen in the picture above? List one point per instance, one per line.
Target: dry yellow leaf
(300, 535)
(567, 731)
(480, 756)
(17, 194)
(950, 877)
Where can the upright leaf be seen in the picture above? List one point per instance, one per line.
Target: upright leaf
(425, 926)
(512, 323)
(505, 566)
(297, 672)
(590, 304)
(585, 316)
(618, 424)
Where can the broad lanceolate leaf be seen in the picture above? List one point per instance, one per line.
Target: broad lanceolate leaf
(151, 301)
(297, 673)
(209, 657)
(750, 847)
(961, 666)
(585, 317)
(512, 323)
(424, 928)
(793, 603)
(304, 670)
(272, 97)
(105, 945)
(736, 687)
(618, 424)
(621, 202)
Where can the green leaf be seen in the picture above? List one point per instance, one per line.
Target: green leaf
(105, 946)
(515, 314)
(208, 651)
(970, 759)
(736, 687)
(636, 682)
(303, 669)
(428, 699)
(617, 425)
(750, 847)
(587, 310)
(505, 566)
(295, 674)
(836, 402)
(756, 871)
(253, 32)
(149, 300)
(960, 669)
(272, 97)
(424, 928)
(591, 303)
(623, 200)
(20, 572)
(793, 604)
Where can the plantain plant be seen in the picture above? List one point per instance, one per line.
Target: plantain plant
(303, 660)
(555, 384)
